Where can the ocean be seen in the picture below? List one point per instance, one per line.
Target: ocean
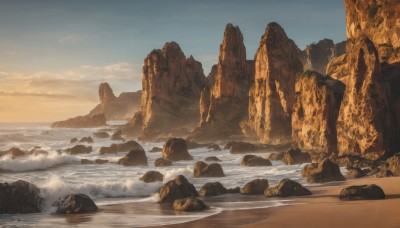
(116, 188)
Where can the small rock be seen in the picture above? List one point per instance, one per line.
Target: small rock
(101, 161)
(212, 158)
(115, 148)
(287, 188)
(155, 149)
(241, 147)
(212, 189)
(179, 188)
(162, 162)
(363, 192)
(152, 176)
(76, 204)
(79, 149)
(134, 158)
(101, 134)
(86, 139)
(255, 187)
(202, 169)
(175, 149)
(253, 160)
(189, 204)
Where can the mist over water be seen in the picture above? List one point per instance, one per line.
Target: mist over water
(58, 173)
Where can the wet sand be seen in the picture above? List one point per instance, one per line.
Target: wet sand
(322, 209)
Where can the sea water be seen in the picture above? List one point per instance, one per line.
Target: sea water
(109, 185)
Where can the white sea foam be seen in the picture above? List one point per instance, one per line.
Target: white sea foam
(35, 162)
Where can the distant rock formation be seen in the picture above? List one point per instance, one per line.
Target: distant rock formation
(171, 86)
(316, 56)
(365, 125)
(337, 68)
(225, 98)
(110, 108)
(315, 112)
(379, 20)
(272, 97)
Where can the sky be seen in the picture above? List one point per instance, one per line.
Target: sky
(55, 53)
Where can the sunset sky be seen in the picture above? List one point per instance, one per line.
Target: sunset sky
(55, 53)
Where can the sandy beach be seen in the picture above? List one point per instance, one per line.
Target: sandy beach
(322, 209)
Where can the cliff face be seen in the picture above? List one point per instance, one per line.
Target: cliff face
(272, 96)
(171, 91)
(110, 108)
(379, 20)
(315, 112)
(224, 104)
(365, 124)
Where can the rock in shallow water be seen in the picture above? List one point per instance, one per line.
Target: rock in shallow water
(362, 192)
(20, 197)
(76, 204)
(175, 149)
(152, 176)
(323, 171)
(212, 189)
(189, 204)
(202, 169)
(295, 157)
(133, 158)
(179, 188)
(253, 160)
(162, 162)
(255, 187)
(287, 188)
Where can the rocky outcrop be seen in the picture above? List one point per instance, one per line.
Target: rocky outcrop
(20, 197)
(110, 108)
(378, 19)
(231, 80)
(255, 187)
(189, 204)
(152, 176)
(323, 171)
(272, 96)
(355, 173)
(365, 123)
(316, 56)
(315, 112)
(134, 158)
(179, 188)
(287, 188)
(363, 192)
(76, 204)
(338, 68)
(175, 149)
(202, 169)
(171, 86)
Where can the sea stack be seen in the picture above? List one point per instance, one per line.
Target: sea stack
(272, 96)
(224, 101)
(171, 86)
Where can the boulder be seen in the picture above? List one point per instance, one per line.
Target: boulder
(362, 192)
(117, 136)
(101, 134)
(189, 205)
(85, 161)
(179, 188)
(101, 161)
(295, 157)
(14, 152)
(241, 147)
(355, 172)
(212, 158)
(79, 149)
(155, 149)
(76, 204)
(152, 176)
(212, 189)
(86, 140)
(271, 99)
(115, 148)
(276, 156)
(20, 197)
(202, 169)
(323, 171)
(162, 162)
(285, 188)
(255, 187)
(73, 140)
(175, 149)
(133, 158)
(253, 160)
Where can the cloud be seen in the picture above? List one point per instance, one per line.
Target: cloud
(46, 95)
(71, 39)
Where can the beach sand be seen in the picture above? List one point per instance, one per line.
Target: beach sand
(322, 209)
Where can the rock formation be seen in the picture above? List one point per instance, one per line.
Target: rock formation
(189, 204)
(255, 187)
(379, 20)
(362, 192)
(322, 172)
(315, 112)
(365, 123)
(316, 56)
(223, 102)
(110, 108)
(287, 188)
(179, 188)
(212, 189)
(76, 204)
(272, 97)
(171, 86)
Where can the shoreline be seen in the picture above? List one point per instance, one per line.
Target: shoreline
(321, 208)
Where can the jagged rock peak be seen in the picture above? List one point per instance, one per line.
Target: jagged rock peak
(232, 49)
(106, 94)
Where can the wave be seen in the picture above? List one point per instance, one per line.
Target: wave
(35, 162)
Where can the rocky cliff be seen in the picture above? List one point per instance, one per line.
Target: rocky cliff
(272, 96)
(224, 104)
(379, 20)
(171, 85)
(315, 112)
(110, 108)
(365, 123)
